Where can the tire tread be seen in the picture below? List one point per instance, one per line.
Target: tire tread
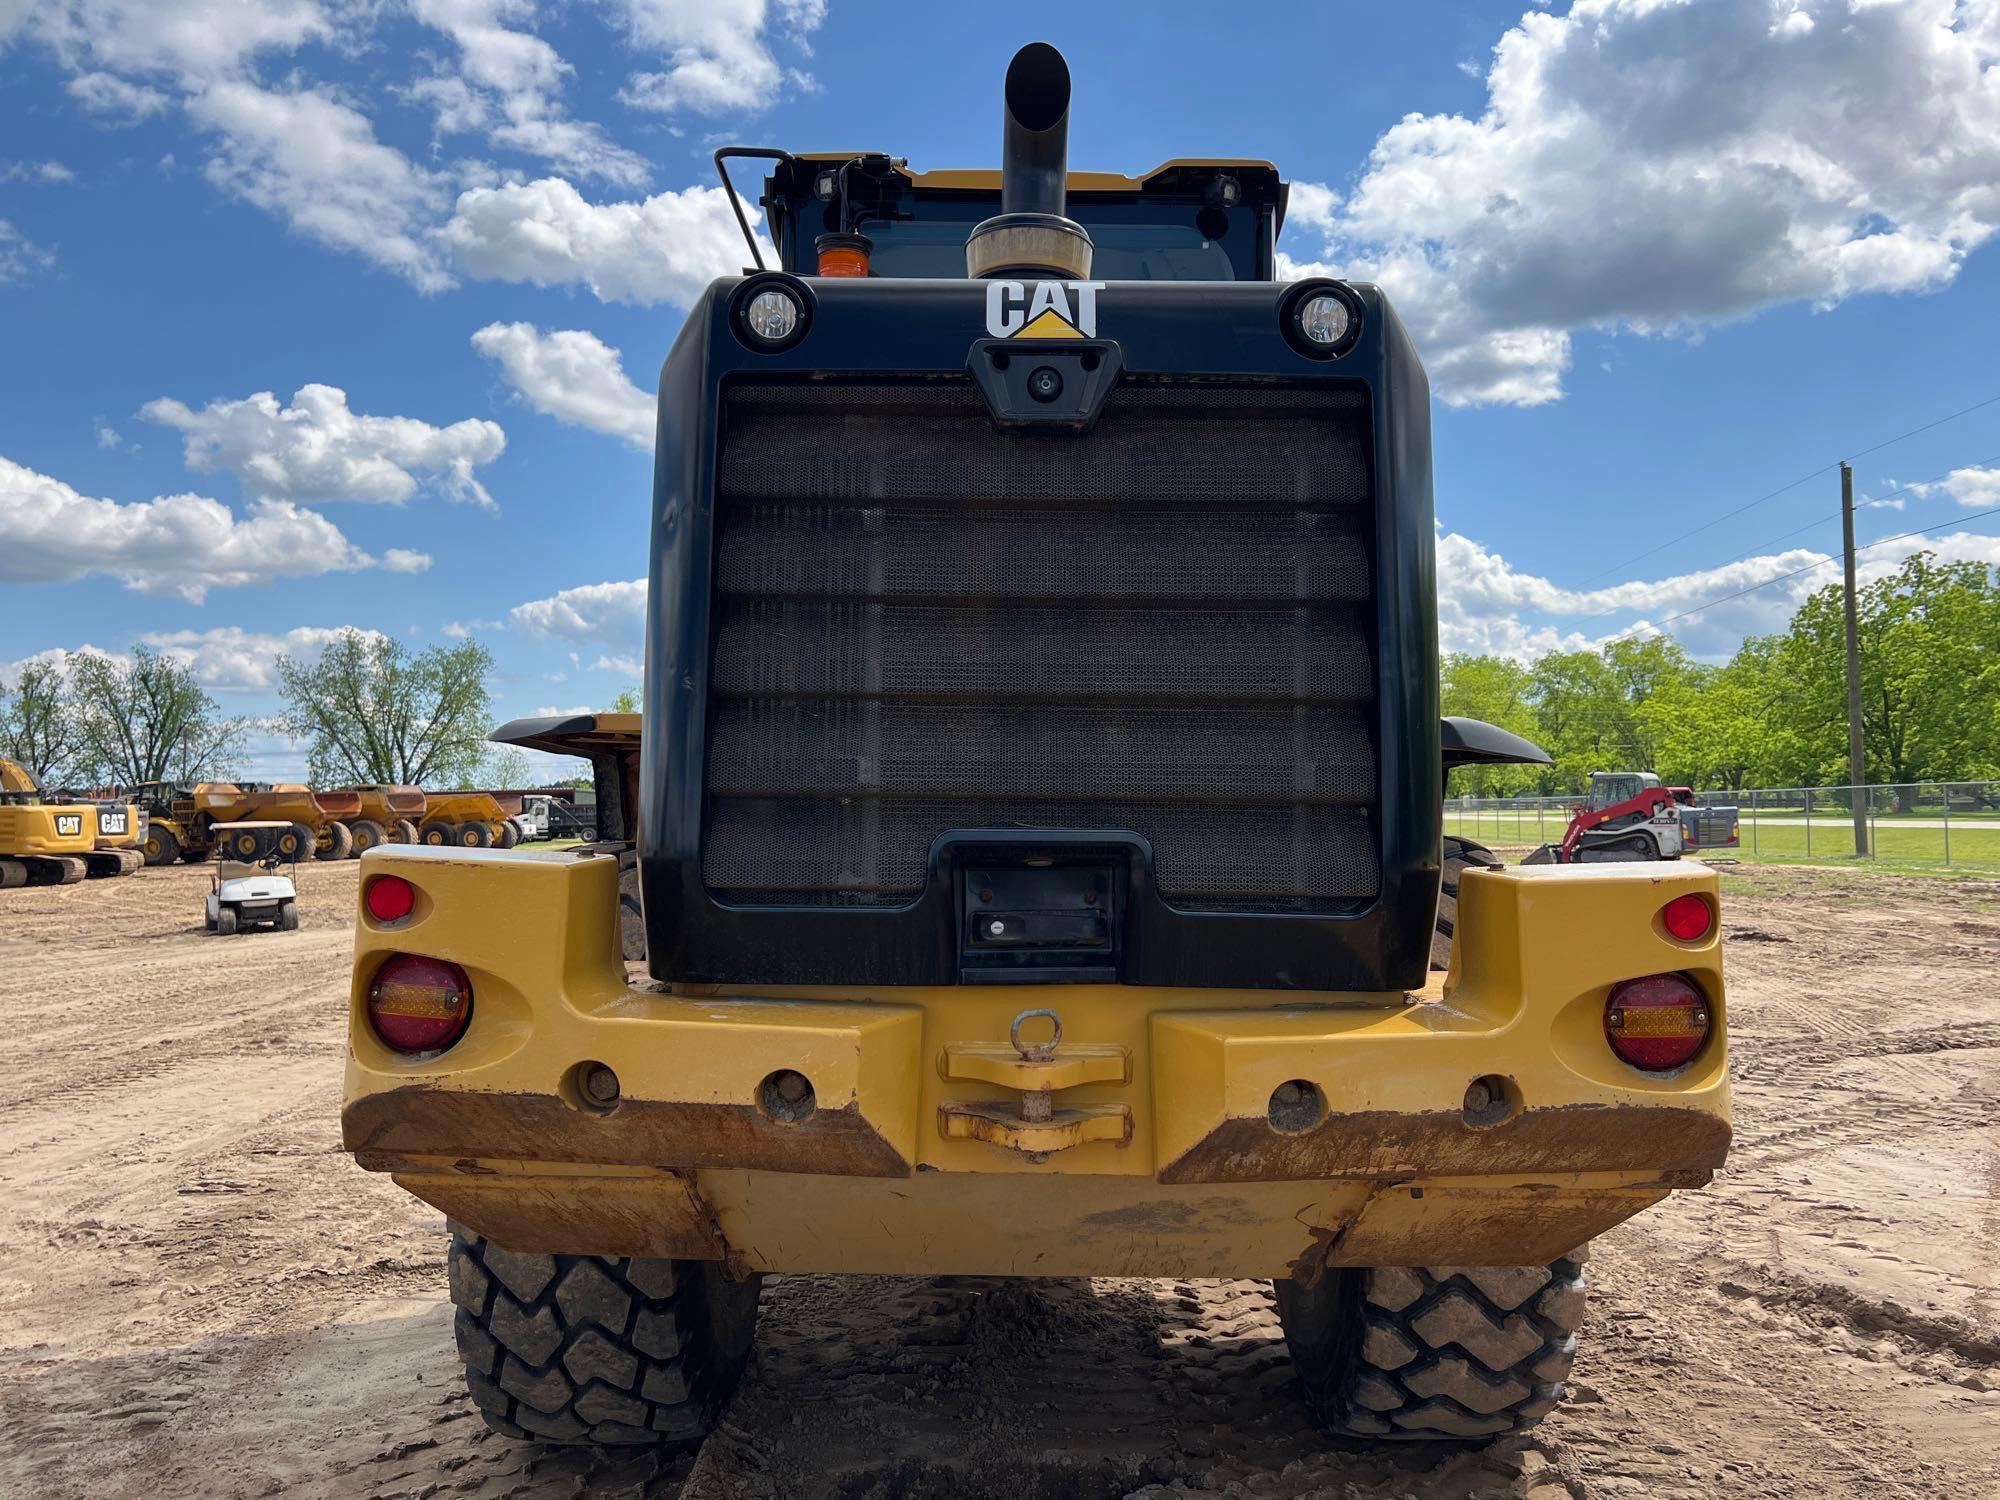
(594, 1349)
(1435, 1352)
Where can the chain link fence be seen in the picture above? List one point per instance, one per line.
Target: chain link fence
(1954, 823)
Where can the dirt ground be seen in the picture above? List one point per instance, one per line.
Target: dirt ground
(201, 1295)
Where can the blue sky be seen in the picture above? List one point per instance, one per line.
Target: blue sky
(329, 313)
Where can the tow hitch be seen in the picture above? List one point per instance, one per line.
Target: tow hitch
(1034, 1126)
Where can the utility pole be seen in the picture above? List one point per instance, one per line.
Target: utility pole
(1857, 759)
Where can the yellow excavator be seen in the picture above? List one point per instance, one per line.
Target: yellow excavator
(46, 842)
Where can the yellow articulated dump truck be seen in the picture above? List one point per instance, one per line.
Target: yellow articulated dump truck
(192, 822)
(48, 841)
(467, 820)
(384, 815)
(1033, 859)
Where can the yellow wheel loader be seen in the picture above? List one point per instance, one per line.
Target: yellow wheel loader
(48, 841)
(192, 822)
(466, 820)
(385, 815)
(1033, 858)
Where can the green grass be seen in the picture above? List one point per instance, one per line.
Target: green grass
(1973, 847)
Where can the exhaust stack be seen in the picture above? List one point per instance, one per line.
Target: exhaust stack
(1031, 235)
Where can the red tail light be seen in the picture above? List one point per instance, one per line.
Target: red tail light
(419, 1006)
(390, 898)
(1688, 918)
(1658, 1023)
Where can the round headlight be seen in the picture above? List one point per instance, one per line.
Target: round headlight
(1320, 319)
(1324, 319)
(772, 316)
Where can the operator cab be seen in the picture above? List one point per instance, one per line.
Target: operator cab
(1191, 220)
(1609, 788)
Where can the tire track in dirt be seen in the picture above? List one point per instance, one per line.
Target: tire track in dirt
(200, 1295)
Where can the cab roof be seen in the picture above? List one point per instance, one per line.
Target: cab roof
(1180, 177)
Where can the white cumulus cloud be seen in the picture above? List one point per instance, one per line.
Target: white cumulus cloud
(665, 248)
(717, 53)
(117, 100)
(1973, 488)
(189, 41)
(1657, 166)
(572, 376)
(611, 612)
(232, 659)
(318, 449)
(315, 162)
(21, 256)
(508, 85)
(177, 545)
(1487, 605)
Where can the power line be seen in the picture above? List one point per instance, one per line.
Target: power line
(1785, 489)
(1901, 536)
(1908, 489)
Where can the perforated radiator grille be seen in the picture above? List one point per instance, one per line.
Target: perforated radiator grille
(923, 624)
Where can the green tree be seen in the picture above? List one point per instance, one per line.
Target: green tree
(627, 702)
(507, 767)
(150, 720)
(40, 727)
(1493, 689)
(372, 712)
(1928, 634)
(1582, 718)
(1711, 728)
(1643, 669)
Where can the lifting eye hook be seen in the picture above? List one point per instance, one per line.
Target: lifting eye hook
(1037, 1105)
(1036, 1051)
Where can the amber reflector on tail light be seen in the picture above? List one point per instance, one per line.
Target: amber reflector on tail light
(390, 898)
(1687, 918)
(419, 1006)
(1657, 1023)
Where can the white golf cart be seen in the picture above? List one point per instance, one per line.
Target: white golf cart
(245, 890)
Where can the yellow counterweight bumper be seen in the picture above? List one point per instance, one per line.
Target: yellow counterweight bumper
(1170, 1132)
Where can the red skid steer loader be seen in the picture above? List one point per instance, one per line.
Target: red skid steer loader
(1630, 816)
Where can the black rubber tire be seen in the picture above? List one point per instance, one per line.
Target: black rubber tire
(437, 835)
(593, 1349)
(161, 847)
(295, 843)
(472, 836)
(288, 917)
(406, 831)
(367, 834)
(225, 922)
(1436, 1352)
(510, 835)
(340, 841)
(1460, 855)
